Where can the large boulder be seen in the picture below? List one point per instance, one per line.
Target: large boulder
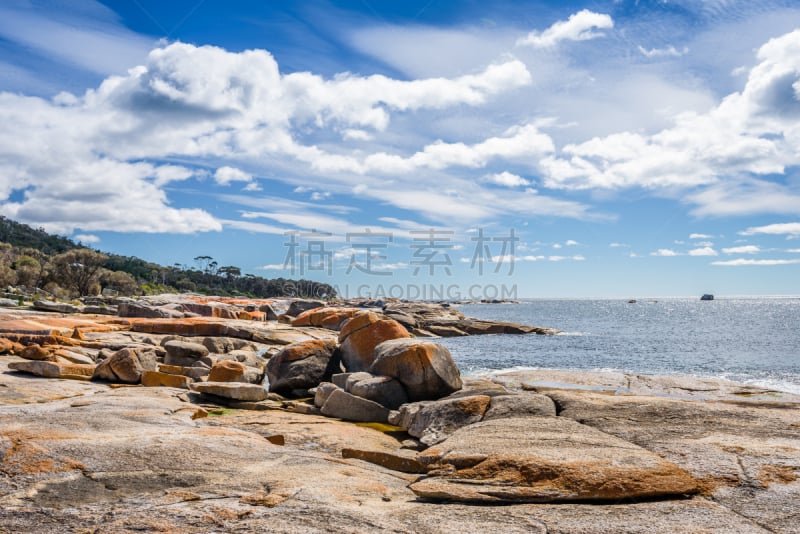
(269, 312)
(302, 365)
(219, 345)
(432, 422)
(126, 365)
(185, 353)
(426, 369)
(351, 408)
(323, 391)
(247, 357)
(345, 380)
(227, 371)
(186, 349)
(545, 459)
(361, 334)
(384, 390)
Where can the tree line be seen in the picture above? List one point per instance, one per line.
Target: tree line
(35, 260)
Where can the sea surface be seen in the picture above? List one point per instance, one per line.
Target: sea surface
(752, 340)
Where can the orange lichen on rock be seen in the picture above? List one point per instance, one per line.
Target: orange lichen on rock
(362, 333)
(227, 371)
(262, 498)
(27, 457)
(47, 369)
(43, 325)
(235, 301)
(330, 318)
(779, 474)
(9, 347)
(158, 379)
(193, 326)
(252, 315)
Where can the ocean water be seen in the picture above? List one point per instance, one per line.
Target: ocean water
(752, 340)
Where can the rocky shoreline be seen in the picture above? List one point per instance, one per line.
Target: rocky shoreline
(161, 422)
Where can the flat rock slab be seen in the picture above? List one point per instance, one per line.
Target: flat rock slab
(232, 390)
(138, 459)
(745, 453)
(545, 459)
(614, 383)
(74, 371)
(19, 388)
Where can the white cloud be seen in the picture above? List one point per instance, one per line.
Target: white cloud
(618, 245)
(95, 195)
(87, 239)
(91, 169)
(557, 245)
(792, 229)
(746, 196)
(747, 262)
(704, 244)
(389, 266)
(704, 251)
(701, 236)
(172, 173)
(571, 243)
(725, 158)
(665, 252)
(225, 175)
(794, 250)
(744, 249)
(507, 179)
(669, 51)
(519, 142)
(356, 135)
(274, 267)
(579, 26)
(576, 257)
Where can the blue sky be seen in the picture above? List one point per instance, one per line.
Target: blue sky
(476, 149)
